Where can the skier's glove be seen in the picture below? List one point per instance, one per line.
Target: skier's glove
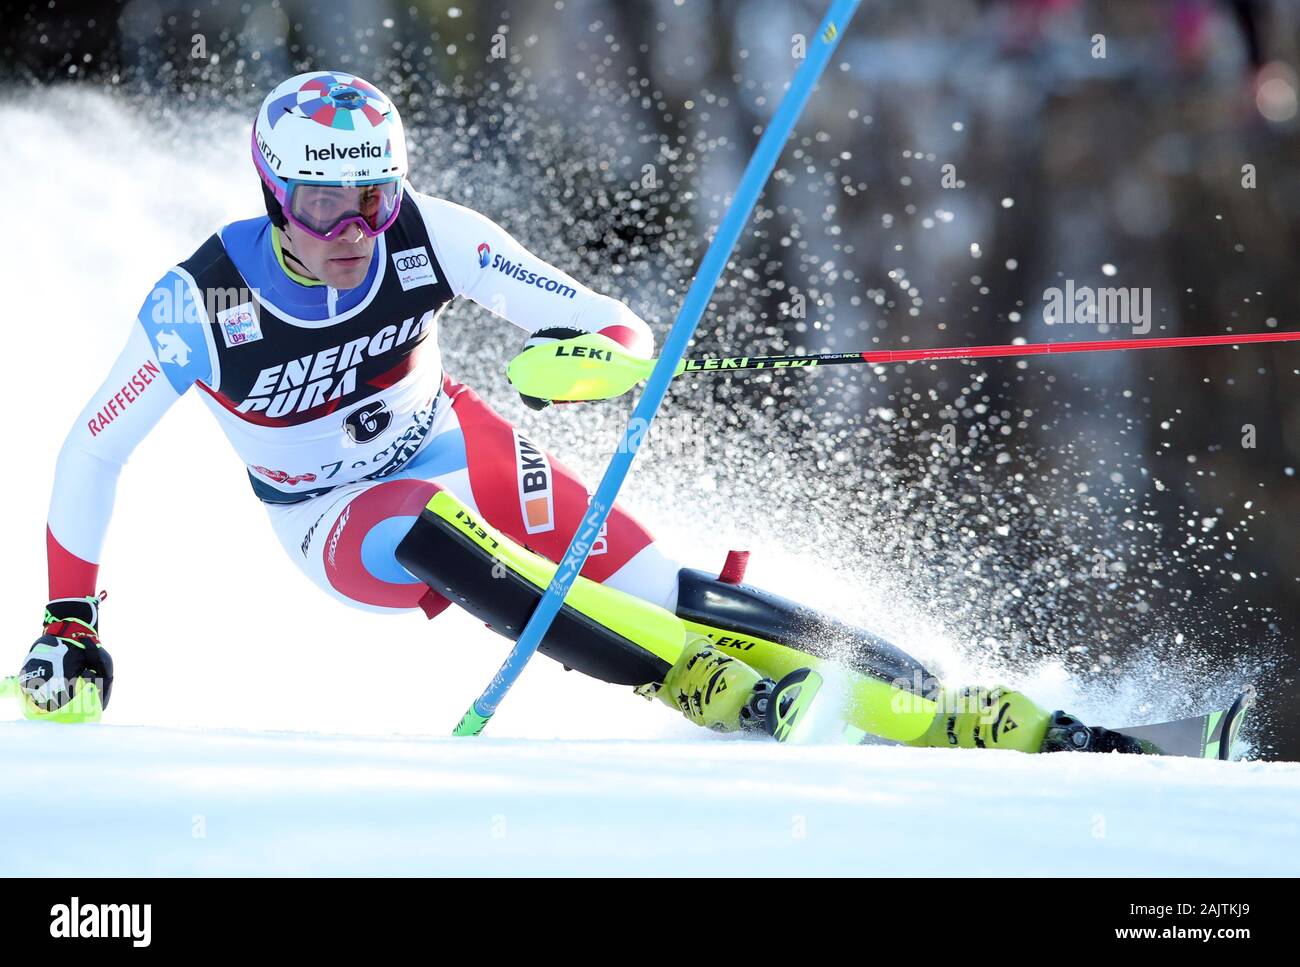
(541, 338)
(68, 674)
(568, 365)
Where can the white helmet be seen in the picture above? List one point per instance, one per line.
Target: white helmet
(335, 130)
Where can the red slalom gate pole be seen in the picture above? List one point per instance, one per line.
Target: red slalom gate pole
(1095, 346)
(727, 364)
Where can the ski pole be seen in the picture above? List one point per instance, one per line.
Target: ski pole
(608, 371)
(697, 297)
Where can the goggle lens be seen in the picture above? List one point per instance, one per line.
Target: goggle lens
(324, 210)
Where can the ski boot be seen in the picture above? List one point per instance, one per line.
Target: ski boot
(714, 690)
(986, 718)
(999, 718)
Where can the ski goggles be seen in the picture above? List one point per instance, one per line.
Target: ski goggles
(324, 211)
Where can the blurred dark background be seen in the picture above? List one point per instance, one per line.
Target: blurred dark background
(1092, 507)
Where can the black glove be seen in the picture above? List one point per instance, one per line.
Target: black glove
(541, 337)
(67, 656)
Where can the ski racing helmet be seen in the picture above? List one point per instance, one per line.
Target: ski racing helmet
(331, 152)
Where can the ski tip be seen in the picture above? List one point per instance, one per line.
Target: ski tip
(1225, 731)
(1208, 736)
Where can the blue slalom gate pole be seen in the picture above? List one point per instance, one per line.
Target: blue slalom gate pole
(706, 279)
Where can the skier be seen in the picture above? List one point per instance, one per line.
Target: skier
(311, 335)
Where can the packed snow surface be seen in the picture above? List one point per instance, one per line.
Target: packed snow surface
(180, 802)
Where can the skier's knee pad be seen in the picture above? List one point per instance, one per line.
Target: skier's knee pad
(599, 631)
(763, 628)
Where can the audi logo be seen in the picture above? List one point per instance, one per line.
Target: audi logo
(411, 262)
